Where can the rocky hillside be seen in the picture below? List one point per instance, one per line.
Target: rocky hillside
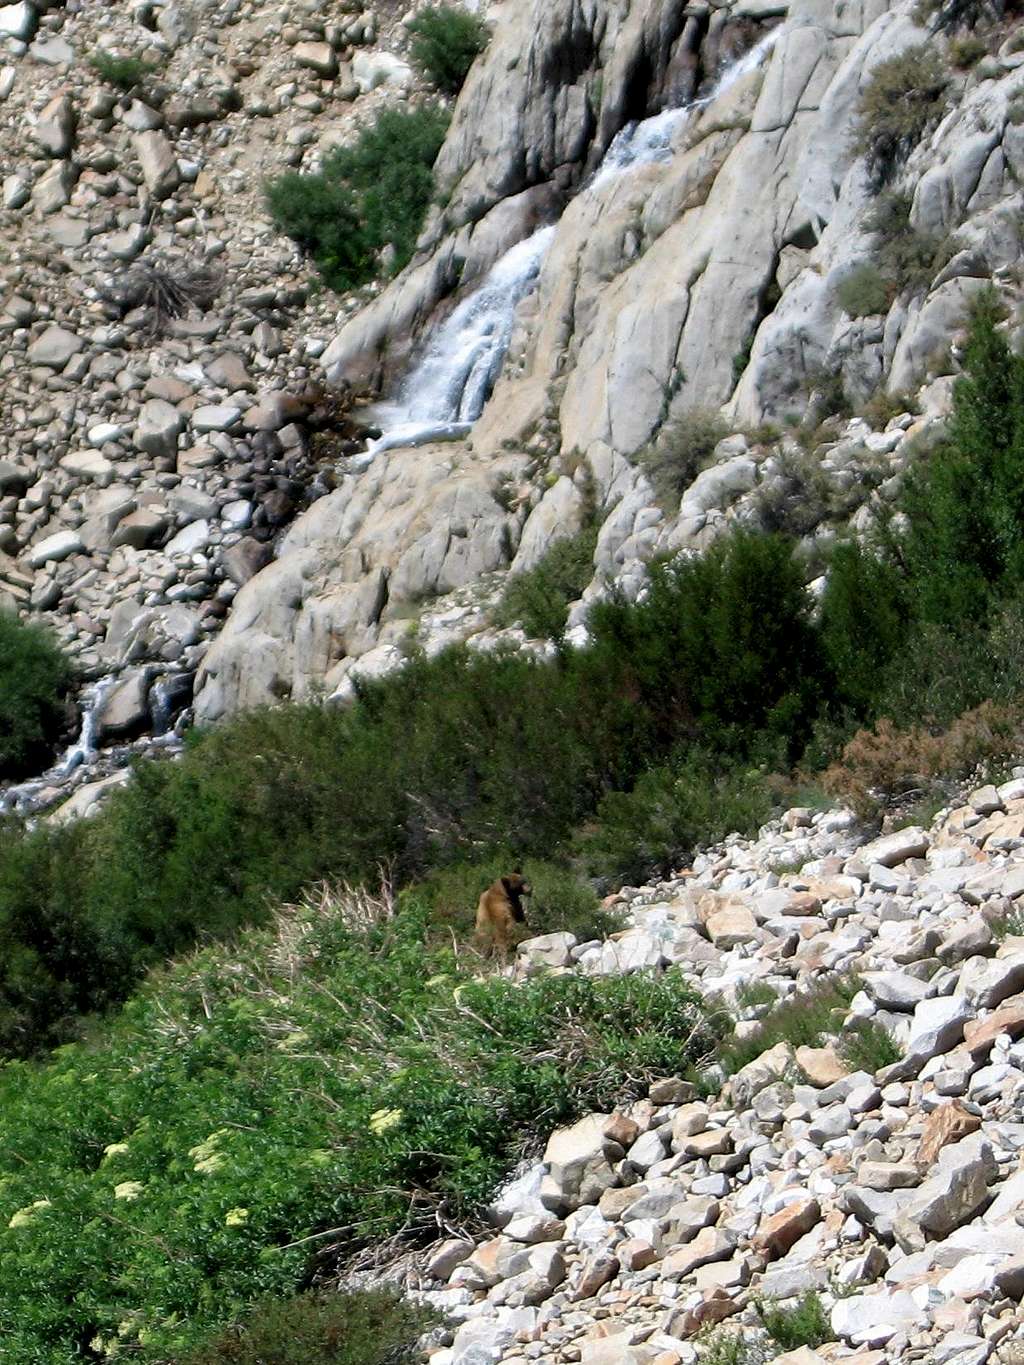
(692, 215)
(712, 273)
(876, 1194)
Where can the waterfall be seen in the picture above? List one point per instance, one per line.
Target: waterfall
(20, 797)
(444, 395)
(446, 392)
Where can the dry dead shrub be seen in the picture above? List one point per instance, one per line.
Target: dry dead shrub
(887, 763)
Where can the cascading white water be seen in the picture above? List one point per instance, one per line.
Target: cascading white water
(446, 392)
(21, 797)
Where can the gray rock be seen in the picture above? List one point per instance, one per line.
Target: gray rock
(892, 849)
(158, 427)
(54, 347)
(125, 712)
(54, 549)
(18, 21)
(987, 982)
(55, 128)
(159, 167)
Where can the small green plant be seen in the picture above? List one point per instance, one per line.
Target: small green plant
(1010, 925)
(446, 40)
(753, 994)
(882, 407)
(35, 680)
(362, 1327)
(539, 599)
(672, 811)
(901, 103)
(804, 1020)
(966, 50)
(730, 1346)
(683, 448)
(906, 257)
(368, 200)
(868, 1047)
(126, 73)
(805, 1324)
(864, 291)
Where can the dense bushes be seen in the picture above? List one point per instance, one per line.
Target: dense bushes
(363, 211)
(35, 679)
(455, 759)
(446, 40)
(899, 106)
(368, 1327)
(258, 1113)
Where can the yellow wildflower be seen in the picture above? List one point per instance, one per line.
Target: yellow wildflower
(114, 1149)
(25, 1215)
(383, 1119)
(128, 1189)
(236, 1217)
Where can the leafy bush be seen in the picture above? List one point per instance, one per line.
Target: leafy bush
(864, 292)
(721, 650)
(261, 1112)
(368, 197)
(863, 623)
(805, 1324)
(35, 679)
(964, 52)
(945, 16)
(126, 73)
(683, 448)
(446, 40)
(539, 599)
(901, 103)
(669, 814)
(365, 1327)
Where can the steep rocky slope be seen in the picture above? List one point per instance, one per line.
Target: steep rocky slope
(706, 276)
(892, 1192)
(693, 262)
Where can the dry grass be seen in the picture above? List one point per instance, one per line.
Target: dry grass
(887, 763)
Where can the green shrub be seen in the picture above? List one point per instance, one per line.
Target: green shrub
(967, 50)
(721, 649)
(731, 1346)
(126, 73)
(863, 623)
(905, 256)
(268, 1109)
(539, 599)
(368, 197)
(683, 448)
(446, 40)
(864, 292)
(901, 103)
(805, 1324)
(364, 1327)
(868, 1047)
(807, 1019)
(35, 680)
(945, 16)
(673, 810)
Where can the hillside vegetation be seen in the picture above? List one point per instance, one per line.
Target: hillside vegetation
(256, 1114)
(337, 1076)
(721, 677)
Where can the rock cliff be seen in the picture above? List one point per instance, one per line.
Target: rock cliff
(709, 275)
